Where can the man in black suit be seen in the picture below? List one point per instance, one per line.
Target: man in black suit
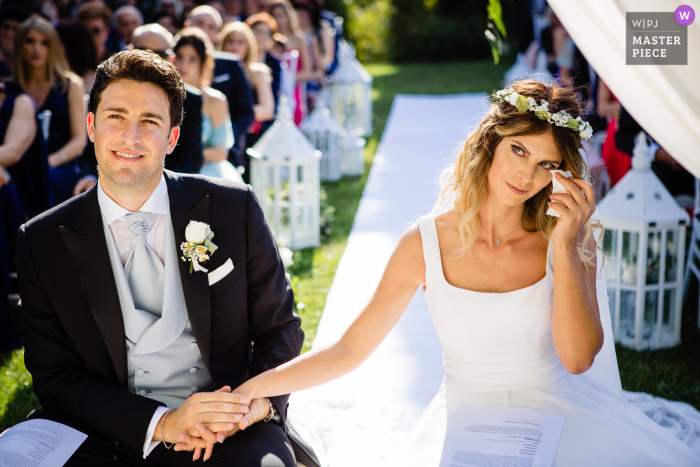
(78, 298)
(188, 155)
(230, 80)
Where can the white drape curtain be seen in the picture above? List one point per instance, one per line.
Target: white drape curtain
(663, 99)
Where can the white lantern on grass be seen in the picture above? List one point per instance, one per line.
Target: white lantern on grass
(351, 93)
(644, 245)
(325, 134)
(285, 175)
(353, 161)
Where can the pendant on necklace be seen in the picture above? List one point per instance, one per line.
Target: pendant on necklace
(498, 242)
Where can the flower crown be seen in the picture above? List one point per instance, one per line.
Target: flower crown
(560, 118)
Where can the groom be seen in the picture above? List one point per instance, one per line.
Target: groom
(125, 343)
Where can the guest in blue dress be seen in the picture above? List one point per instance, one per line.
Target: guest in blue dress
(40, 71)
(194, 60)
(24, 191)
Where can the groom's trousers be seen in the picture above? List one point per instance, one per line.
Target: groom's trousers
(260, 445)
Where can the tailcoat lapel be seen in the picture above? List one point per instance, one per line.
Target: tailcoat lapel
(185, 207)
(87, 247)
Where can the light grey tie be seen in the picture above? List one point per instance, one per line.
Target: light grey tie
(144, 271)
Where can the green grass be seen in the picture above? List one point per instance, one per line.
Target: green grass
(671, 373)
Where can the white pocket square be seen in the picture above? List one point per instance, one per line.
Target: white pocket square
(219, 273)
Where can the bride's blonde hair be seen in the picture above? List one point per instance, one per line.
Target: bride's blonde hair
(465, 187)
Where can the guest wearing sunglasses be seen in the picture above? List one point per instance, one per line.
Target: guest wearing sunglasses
(97, 17)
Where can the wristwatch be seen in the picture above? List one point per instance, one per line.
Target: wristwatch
(272, 413)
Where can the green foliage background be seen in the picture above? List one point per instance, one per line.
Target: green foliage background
(409, 31)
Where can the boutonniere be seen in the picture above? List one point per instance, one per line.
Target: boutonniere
(198, 246)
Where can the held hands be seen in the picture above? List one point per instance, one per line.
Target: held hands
(220, 410)
(575, 211)
(206, 433)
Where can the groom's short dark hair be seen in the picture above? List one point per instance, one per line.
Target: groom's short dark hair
(145, 67)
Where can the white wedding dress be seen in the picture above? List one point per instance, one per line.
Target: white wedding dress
(498, 350)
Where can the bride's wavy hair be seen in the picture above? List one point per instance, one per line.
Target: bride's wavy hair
(465, 184)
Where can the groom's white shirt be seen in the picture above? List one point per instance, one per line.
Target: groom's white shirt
(158, 205)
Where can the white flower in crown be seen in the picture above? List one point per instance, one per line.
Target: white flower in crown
(198, 246)
(512, 98)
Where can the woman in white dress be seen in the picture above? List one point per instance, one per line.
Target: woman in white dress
(512, 292)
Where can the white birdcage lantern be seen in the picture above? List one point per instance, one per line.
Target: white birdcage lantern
(351, 93)
(325, 134)
(285, 175)
(353, 160)
(644, 246)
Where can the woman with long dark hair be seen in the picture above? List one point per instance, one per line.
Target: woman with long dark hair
(195, 62)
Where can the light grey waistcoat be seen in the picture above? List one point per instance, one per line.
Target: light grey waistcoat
(164, 363)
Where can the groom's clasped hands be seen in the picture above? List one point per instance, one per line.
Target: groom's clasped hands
(206, 418)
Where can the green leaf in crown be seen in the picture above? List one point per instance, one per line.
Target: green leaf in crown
(522, 104)
(543, 114)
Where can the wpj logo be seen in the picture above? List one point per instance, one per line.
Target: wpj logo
(656, 39)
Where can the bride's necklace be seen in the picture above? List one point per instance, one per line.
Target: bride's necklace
(498, 242)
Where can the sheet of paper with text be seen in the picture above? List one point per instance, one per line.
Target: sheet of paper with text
(506, 436)
(39, 443)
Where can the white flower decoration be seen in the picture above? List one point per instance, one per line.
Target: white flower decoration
(560, 118)
(198, 246)
(196, 232)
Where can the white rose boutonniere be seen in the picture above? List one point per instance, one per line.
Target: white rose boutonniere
(198, 246)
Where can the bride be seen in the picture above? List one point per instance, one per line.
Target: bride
(512, 292)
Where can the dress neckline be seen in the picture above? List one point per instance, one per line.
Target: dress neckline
(444, 279)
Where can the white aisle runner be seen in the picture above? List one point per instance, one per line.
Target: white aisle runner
(360, 419)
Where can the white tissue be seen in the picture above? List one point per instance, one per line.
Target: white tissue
(557, 187)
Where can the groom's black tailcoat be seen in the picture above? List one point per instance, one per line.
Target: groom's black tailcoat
(75, 345)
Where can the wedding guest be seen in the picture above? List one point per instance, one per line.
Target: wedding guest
(27, 166)
(78, 50)
(175, 8)
(40, 71)
(335, 25)
(264, 27)
(195, 62)
(288, 25)
(22, 184)
(310, 27)
(229, 78)
(208, 19)
(231, 10)
(250, 8)
(10, 19)
(97, 17)
(126, 19)
(317, 25)
(617, 163)
(238, 39)
(167, 20)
